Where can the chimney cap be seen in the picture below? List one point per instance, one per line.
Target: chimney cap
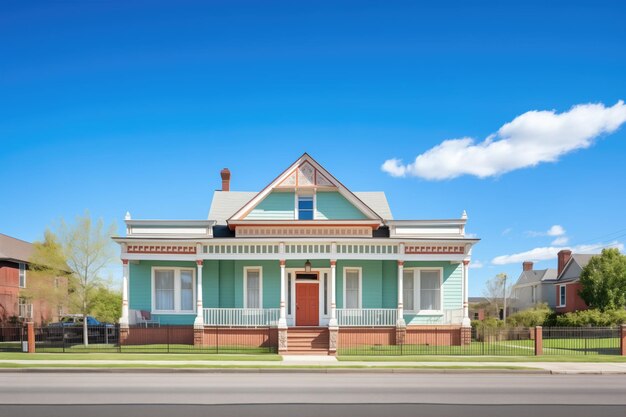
(225, 172)
(528, 265)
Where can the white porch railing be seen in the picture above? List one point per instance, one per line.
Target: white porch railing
(367, 317)
(249, 317)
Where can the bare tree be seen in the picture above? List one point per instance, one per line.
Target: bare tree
(496, 292)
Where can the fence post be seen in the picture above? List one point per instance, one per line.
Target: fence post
(30, 334)
(623, 340)
(538, 341)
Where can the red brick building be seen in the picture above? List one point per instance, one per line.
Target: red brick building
(14, 271)
(567, 283)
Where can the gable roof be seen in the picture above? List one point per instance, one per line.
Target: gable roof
(306, 172)
(536, 276)
(579, 260)
(15, 249)
(226, 203)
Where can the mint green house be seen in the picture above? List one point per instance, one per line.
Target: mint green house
(303, 253)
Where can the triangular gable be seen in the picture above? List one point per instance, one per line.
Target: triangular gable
(304, 173)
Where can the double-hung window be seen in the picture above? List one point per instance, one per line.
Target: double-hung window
(305, 207)
(22, 275)
(253, 288)
(533, 294)
(562, 296)
(174, 290)
(421, 290)
(352, 288)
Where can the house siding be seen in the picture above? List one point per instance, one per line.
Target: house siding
(331, 205)
(140, 290)
(276, 206)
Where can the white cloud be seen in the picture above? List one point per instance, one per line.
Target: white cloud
(507, 231)
(550, 252)
(531, 138)
(556, 230)
(476, 264)
(471, 235)
(560, 241)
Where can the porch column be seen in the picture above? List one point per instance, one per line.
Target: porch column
(400, 322)
(199, 321)
(466, 320)
(333, 296)
(124, 319)
(282, 320)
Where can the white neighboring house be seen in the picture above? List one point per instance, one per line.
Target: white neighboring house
(534, 286)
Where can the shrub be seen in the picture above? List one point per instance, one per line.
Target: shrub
(592, 317)
(489, 323)
(536, 316)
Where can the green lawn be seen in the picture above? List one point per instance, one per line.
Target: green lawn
(152, 349)
(551, 347)
(137, 356)
(432, 358)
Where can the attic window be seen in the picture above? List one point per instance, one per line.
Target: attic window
(305, 207)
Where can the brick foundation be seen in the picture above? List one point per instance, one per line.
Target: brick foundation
(434, 335)
(183, 335)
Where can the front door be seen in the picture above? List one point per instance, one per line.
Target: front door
(307, 304)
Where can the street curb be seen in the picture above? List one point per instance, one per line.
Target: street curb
(277, 370)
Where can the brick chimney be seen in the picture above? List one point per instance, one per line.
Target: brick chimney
(563, 256)
(527, 266)
(225, 173)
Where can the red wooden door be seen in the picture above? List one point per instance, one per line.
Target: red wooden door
(307, 304)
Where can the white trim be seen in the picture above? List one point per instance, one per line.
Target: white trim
(245, 285)
(558, 298)
(360, 270)
(417, 288)
(22, 272)
(177, 270)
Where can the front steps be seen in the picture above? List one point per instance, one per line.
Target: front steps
(307, 340)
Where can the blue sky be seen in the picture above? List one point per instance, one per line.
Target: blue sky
(112, 107)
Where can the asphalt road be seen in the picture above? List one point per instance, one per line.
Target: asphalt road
(307, 394)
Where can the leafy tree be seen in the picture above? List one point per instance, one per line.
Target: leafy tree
(86, 248)
(603, 281)
(49, 279)
(106, 304)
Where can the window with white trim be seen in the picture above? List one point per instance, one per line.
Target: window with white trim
(174, 290)
(562, 296)
(421, 290)
(252, 288)
(305, 207)
(533, 294)
(22, 275)
(352, 288)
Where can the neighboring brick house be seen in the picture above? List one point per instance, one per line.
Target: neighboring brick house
(534, 286)
(478, 308)
(567, 284)
(14, 268)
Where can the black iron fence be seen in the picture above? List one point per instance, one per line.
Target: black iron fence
(158, 339)
(553, 341)
(12, 338)
(581, 341)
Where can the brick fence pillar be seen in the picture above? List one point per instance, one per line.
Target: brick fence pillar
(623, 340)
(198, 336)
(282, 340)
(466, 336)
(538, 341)
(124, 331)
(400, 335)
(30, 335)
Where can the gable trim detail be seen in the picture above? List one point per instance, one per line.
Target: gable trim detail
(305, 172)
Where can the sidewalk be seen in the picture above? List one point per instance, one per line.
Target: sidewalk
(329, 362)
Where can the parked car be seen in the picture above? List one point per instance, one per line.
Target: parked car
(70, 329)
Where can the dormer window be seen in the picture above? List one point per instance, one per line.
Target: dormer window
(305, 207)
